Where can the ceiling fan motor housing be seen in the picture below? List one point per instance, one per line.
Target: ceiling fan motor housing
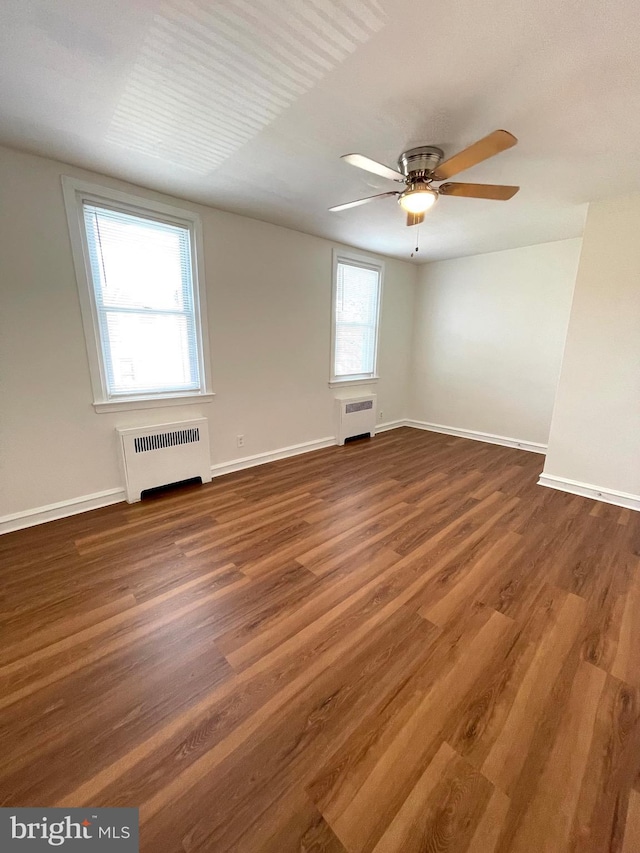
(420, 162)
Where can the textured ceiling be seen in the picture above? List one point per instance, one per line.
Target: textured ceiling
(247, 105)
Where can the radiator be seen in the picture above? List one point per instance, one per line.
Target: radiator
(355, 416)
(164, 453)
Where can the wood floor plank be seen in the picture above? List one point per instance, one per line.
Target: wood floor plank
(481, 721)
(361, 822)
(294, 825)
(260, 770)
(632, 825)
(24, 677)
(45, 751)
(469, 586)
(241, 652)
(508, 753)
(342, 773)
(547, 823)
(400, 644)
(610, 771)
(626, 663)
(64, 626)
(442, 810)
(487, 833)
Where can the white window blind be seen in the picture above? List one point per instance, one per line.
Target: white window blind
(357, 296)
(143, 285)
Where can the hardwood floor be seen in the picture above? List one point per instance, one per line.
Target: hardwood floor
(399, 645)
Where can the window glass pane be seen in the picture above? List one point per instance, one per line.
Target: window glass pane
(142, 278)
(356, 312)
(149, 352)
(354, 354)
(140, 263)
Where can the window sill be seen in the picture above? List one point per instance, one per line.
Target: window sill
(151, 402)
(340, 383)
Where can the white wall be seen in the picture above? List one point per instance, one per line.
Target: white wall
(595, 432)
(488, 337)
(269, 295)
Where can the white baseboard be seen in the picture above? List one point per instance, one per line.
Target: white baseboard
(270, 456)
(61, 509)
(390, 425)
(588, 490)
(490, 438)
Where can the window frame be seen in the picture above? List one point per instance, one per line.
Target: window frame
(75, 193)
(364, 261)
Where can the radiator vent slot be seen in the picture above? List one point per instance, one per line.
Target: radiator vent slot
(166, 439)
(361, 406)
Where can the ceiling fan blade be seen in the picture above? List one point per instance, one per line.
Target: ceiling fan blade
(369, 165)
(359, 201)
(415, 218)
(496, 192)
(481, 150)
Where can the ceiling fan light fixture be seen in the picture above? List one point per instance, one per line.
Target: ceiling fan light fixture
(418, 199)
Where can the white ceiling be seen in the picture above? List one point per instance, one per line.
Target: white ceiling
(247, 105)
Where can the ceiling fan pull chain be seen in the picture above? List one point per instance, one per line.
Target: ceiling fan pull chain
(417, 249)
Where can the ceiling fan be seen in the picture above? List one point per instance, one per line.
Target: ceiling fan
(420, 168)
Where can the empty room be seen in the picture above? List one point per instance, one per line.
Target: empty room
(319, 426)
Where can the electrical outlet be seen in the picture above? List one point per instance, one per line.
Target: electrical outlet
(379, 416)
(240, 440)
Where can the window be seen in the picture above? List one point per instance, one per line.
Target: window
(137, 265)
(357, 289)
